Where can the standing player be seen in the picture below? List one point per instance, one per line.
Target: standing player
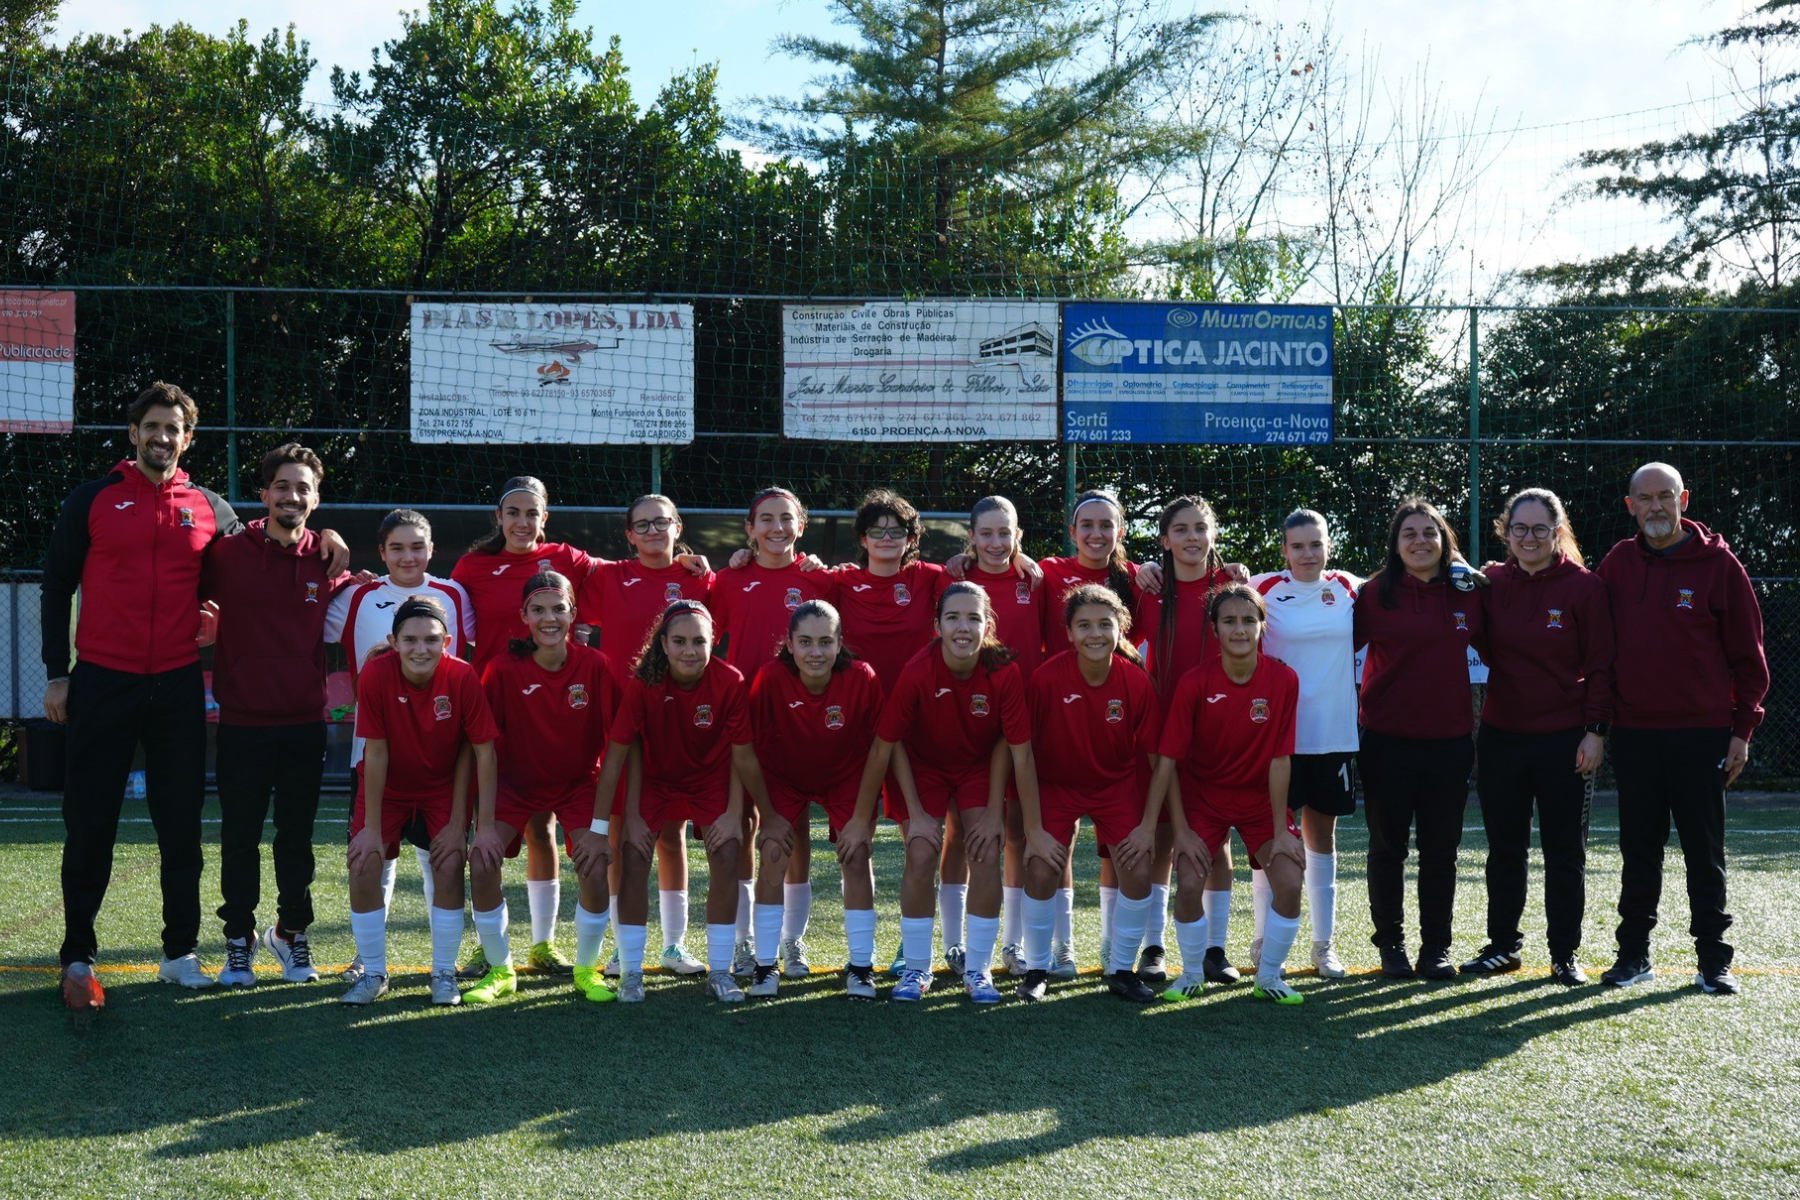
(416, 709)
(269, 679)
(1691, 677)
(1094, 719)
(553, 701)
(1312, 617)
(813, 712)
(1228, 742)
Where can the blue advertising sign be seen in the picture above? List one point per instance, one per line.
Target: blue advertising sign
(1196, 373)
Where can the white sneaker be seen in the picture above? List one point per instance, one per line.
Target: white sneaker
(743, 959)
(365, 990)
(722, 987)
(355, 971)
(443, 987)
(185, 971)
(1325, 962)
(675, 960)
(1062, 959)
(612, 965)
(631, 987)
(767, 981)
(1013, 959)
(793, 959)
(859, 982)
(239, 953)
(293, 953)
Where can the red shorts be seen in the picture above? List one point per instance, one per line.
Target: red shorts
(659, 806)
(1115, 812)
(397, 813)
(574, 810)
(1213, 815)
(793, 806)
(938, 791)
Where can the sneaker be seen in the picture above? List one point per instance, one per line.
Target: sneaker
(859, 982)
(476, 968)
(1153, 966)
(443, 988)
(1127, 986)
(185, 971)
(1062, 960)
(1189, 987)
(1434, 963)
(497, 984)
(368, 989)
(1717, 980)
(980, 986)
(743, 959)
(81, 990)
(631, 987)
(675, 960)
(1395, 964)
(1216, 969)
(1493, 961)
(612, 965)
(957, 959)
(546, 957)
(1568, 972)
(1034, 986)
(1012, 960)
(294, 953)
(898, 967)
(793, 960)
(912, 986)
(590, 983)
(1256, 944)
(355, 971)
(722, 987)
(1325, 962)
(767, 979)
(1630, 969)
(1273, 987)
(238, 954)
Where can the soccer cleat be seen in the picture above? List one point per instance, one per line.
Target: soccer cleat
(612, 965)
(546, 957)
(1325, 962)
(743, 959)
(912, 987)
(1716, 980)
(631, 987)
(793, 959)
(722, 987)
(1273, 987)
(1127, 986)
(1395, 964)
(766, 981)
(477, 966)
(238, 954)
(1493, 961)
(1153, 966)
(355, 971)
(1012, 960)
(957, 959)
(1034, 986)
(294, 953)
(1190, 986)
(675, 960)
(185, 971)
(497, 984)
(443, 987)
(980, 986)
(898, 967)
(1256, 944)
(1434, 963)
(1215, 967)
(1568, 972)
(590, 983)
(366, 990)
(1062, 960)
(859, 982)
(81, 990)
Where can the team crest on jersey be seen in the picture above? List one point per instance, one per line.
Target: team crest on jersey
(1684, 598)
(1259, 710)
(1023, 593)
(440, 707)
(671, 592)
(1462, 621)
(793, 599)
(543, 564)
(978, 705)
(312, 593)
(187, 518)
(834, 716)
(1115, 711)
(703, 716)
(902, 597)
(578, 697)
(1555, 621)
(1328, 598)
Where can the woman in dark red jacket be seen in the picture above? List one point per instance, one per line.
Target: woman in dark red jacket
(1548, 643)
(1417, 717)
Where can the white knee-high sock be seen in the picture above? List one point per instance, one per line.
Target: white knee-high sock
(1128, 932)
(1065, 916)
(1109, 906)
(767, 928)
(859, 936)
(446, 937)
(427, 881)
(915, 940)
(544, 897)
(1012, 916)
(1260, 894)
(490, 928)
(370, 931)
(590, 933)
(630, 940)
(1192, 937)
(1321, 893)
(796, 906)
(719, 945)
(1040, 920)
(980, 951)
(1217, 907)
(746, 906)
(672, 906)
(1278, 939)
(1156, 925)
(612, 915)
(953, 902)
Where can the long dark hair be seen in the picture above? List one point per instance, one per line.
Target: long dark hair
(993, 653)
(679, 547)
(816, 608)
(495, 541)
(885, 503)
(1093, 593)
(1387, 580)
(1165, 624)
(652, 663)
(542, 581)
(1561, 530)
(1118, 576)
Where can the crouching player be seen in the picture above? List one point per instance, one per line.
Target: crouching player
(1227, 741)
(416, 708)
(1094, 722)
(553, 701)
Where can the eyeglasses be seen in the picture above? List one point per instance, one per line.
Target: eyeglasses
(1537, 531)
(654, 525)
(887, 533)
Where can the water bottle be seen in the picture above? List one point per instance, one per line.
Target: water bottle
(134, 786)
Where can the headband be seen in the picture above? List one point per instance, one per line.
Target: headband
(1106, 500)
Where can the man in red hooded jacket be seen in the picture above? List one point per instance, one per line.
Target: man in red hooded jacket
(1690, 677)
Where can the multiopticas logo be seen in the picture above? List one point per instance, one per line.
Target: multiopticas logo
(1098, 344)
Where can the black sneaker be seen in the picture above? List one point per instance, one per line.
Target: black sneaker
(1127, 986)
(1434, 963)
(1568, 972)
(1152, 966)
(1216, 968)
(1717, 980)
(1630, 969)
(1395, 964)
(1034, 985)
(1492, 961)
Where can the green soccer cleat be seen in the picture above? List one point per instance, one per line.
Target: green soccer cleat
(592, 984)
(497, 984)
(1190, 986)
(546, 957)
(1275, 988)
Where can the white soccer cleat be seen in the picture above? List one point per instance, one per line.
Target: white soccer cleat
(1326, 962)
(723, 988)
(766, 982)
(365, 991)
(185, 971)
(675, 959)
(443, 987)
(1062, 959)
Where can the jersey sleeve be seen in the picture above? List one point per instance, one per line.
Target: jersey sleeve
(371, 711)
(736, 703)
(1290, 712)
(901, 708)
(63, 563)
(1149, 728)
(336, 614)
(493, 688)
(478, 723)
(1015, 719)
(1178, 726)
(629, 722)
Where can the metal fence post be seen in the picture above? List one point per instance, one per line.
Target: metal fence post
(1071, 453)
(656, 470)
(231, 437)
(1474, 439)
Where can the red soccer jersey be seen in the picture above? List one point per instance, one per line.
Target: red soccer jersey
(1090, 738)
(1223, 734)
(688, 732)
(1062, 576)
(813, 743)
(888, 619)
(1018, 615)
(496, 587)
(1191, 640)
(553, 724)
(424, 727)
(751, 605)
(948, 724)
(625, 599)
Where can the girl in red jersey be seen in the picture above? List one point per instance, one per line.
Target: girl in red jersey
(1228, 743)
(553, 700)
(960, 712)
(1094, 721)
(813, 711)
(686, 715)
(624, 600)
(1416, 719)
(416, 709)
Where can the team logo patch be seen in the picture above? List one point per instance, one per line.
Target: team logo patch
(543, 564)
(671, 592)
(1115, 711)
(1259, 710)
(578, 697)
(978, 705)
(902, 597)
(1462, 621)
(834, 716)
(187, 520)
(440, 707)
(703, 716)
(1023, 594)
(312, 593)
(1555, 621)
(1683, 598)
(793, 599)
(1328, 598)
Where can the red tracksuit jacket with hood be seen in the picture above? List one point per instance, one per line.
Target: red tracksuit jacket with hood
(1548, 643)
(1416, 678)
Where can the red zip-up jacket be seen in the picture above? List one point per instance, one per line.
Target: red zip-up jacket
(1689, 632)
(1416, 678)
(1547, 640)
(134, 549)
(269, 656)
